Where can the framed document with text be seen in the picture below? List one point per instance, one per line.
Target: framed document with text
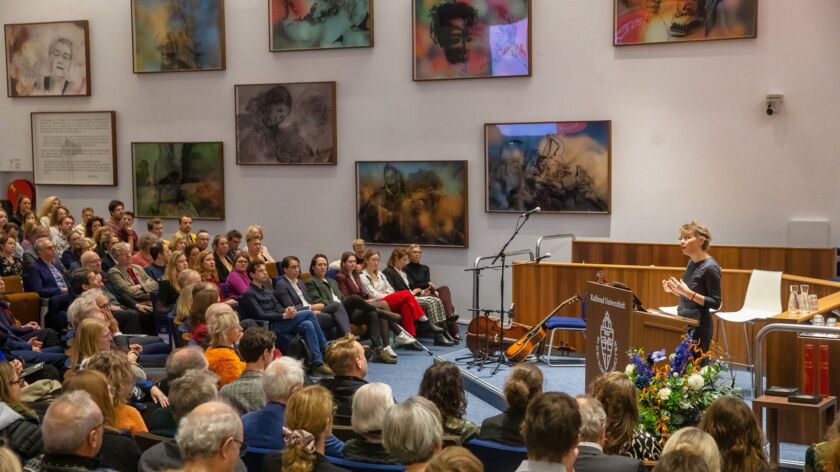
(74, 148)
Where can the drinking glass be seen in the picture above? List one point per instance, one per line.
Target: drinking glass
(813, 303)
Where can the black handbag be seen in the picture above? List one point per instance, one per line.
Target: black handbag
(299, 349)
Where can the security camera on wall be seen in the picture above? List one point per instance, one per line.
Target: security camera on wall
(774, 104)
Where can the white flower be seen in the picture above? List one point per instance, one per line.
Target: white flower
(629, 369)
(664, 394)
(695, 381)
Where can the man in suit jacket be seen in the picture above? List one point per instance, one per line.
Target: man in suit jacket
(291, 291)
(48, 279)
(591, 457)
(130, 281)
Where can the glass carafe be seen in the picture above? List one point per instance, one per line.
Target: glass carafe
(803, 298)
(793, 300)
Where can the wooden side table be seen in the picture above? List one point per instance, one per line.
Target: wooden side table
(819, 416)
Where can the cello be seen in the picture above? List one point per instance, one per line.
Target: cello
(485, 335)
(522, 347)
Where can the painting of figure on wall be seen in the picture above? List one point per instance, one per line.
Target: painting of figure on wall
(320, 24)
(423, 202)
(665, 21)
(47, 59)
(175, 179)
(178, 35)
(460, 39)
(286, 123)
(560, 167)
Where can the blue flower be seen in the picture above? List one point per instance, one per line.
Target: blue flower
(642, 368)
(641, 382)
(682, 356)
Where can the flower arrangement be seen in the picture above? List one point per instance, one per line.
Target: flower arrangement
(674, 391)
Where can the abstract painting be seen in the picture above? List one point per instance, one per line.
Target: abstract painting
(286, 123)
(461, 39)
(319, 24)
(47, 59)
(666, 21)
(178, 35)
(561, 167)
(423, 202)
(179, 179)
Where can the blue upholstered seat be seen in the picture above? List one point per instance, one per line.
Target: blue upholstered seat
(497, 457)
(565, 322)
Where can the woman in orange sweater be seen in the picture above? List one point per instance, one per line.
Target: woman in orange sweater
(222, 355)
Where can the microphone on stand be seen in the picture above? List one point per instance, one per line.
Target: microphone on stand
(535, 210)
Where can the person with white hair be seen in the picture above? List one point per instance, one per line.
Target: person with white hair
(593, 436)
(72, 431)
(130, 279)
(413, 432)
(210, 438)
(370, 404)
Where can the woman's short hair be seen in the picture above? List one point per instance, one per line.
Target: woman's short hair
(551, 426)
(681, 460)
(617, 395)
(219, 325)
(695, 440)
(455, 459)
(412, 431)
(443, 385)
(370, 404)
(524, 382)
(739, 438)
(698, 230)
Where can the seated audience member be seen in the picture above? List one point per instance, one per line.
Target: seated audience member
(143, 256)
(419, 278)
(256, 231)
(224, 265)
(398, 280)
(18, 423)
(191, 389)
(116, 209)
(179, 362)
(157, 267)
(185, 230)
(323, 290)
(350, 284)
(524, 383)
(127, 233)
(291, 291)
(152, 349)
(88, 278)
(346, 357)
(738, 435)
(9, 460)
(10, 264)
(370, 404)
(93, 336)
(129, 278)
(62, 228)
(591, 457)
(697, 441)
(625, 436)
(192, 252)
(87, 214)
(246, 394)
(47, 207)
(117, 369)
(403, 301)
(72, 257)
(204, 295)
(223, 353)
(169, 286)
(443, 385)
(24, 205)
(234, 238)
(28, 342)
(681, 460)
(210, 438)
(205, 265)
(412, 433)
(264, 428)
(73, 430)
(259, 303)
(825, 455)
(455, 459)
(202, 240)
(31, 234)
(155, 227)
(550, 429)
(13, 231)
(92, 226)
(171, 455)
(178, 243)
(307, 429)
(237, 280)
(190, 284)
(360, 251)
(119, 451)
(105, 239)
(48, 280)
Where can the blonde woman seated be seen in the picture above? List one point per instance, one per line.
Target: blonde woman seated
(223, 353)
(169, 288)
(699, 442)
(255, 250)
(93, 336)
(178, 242)
(257, 232)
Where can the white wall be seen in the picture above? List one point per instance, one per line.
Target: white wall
(690, 137)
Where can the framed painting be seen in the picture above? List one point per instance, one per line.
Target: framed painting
(423, 202)
(675, 21)
(291, 123)
(48, 59)
(468, 39)
(179, 178)
(302, 25)
(561, 167)
(74, 148)
(178, 36)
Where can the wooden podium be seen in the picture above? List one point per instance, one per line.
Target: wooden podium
(613, 327)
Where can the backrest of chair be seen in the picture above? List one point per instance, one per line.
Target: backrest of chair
(764, 291)
(147, 440)
(14, 284)
(497, 457)
(354, 466)
(254, 456)
(273, 269)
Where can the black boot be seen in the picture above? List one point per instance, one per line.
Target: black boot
(446, 334)
(428, 328)
(441, 340)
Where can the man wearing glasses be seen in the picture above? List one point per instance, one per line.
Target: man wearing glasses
(210, 438)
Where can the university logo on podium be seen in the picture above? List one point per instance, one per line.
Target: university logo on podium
(606, 346)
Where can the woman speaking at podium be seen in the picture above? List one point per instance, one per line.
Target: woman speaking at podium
(699, 289)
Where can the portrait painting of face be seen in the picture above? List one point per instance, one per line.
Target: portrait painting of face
(319, 24)
(423, 202)
(178, 35)
(460, 39)
(286, 123)
(666, 21)
(561, 167)
(47, 59)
